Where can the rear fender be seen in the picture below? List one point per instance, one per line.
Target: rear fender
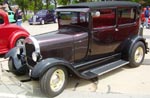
(127, 49)
(46, 64)
(15, 36)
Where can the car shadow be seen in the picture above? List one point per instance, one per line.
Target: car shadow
(146, 62)
(76, 83)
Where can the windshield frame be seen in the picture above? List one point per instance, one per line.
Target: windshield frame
(41, 12)
(80, 19)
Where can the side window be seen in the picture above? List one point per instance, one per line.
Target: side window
(1, 20)
(126, 15)
(103, 18)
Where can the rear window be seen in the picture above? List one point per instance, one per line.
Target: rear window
(126, 15)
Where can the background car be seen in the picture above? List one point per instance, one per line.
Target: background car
(11, 35)
(42, 17)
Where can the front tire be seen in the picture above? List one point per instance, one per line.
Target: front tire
(137, 55)
(12, 68)
(42, 22)
(53, 82)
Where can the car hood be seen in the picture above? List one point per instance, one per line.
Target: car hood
(58, 36)
(57, 43)
(52, 38)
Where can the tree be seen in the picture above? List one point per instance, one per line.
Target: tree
(47, 4)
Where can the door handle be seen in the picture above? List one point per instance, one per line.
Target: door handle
(116, 29)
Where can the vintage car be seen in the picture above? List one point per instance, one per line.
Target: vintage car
(42, 17)
(11, 35)
(93, 38)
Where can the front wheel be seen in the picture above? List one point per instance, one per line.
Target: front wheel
(137, 55)
(53, 82)
(42, 22)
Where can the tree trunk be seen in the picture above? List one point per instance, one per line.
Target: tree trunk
(82, 0)
(35, 5)
(47, 4)
(55, 2)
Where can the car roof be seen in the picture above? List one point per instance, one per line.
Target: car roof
(103, 4)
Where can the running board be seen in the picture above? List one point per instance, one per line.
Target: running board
(103, 69)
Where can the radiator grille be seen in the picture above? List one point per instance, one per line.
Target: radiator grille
(29, 50)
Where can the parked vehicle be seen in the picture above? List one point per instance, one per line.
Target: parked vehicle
(93, 38)
(42, 17)
(11, 17)
(11, 35)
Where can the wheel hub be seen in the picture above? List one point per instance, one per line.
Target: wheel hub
(57, 80)
(138, 55)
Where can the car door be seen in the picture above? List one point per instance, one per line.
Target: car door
(48, 16)
(127, 25)
(52, 15)
(104, 24)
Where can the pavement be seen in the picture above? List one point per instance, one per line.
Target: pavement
(124, 82)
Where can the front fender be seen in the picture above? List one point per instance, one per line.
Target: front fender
(44, 65)
(13, 54)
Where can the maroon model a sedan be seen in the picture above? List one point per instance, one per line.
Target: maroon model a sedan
(11, 35)
(92, 39)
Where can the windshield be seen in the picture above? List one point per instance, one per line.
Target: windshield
(73, 18)
(41, 12)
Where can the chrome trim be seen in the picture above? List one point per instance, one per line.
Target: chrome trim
(113, 68)
(36, 44)
(31, 41)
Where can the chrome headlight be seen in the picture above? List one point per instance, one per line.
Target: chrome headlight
(36, 56)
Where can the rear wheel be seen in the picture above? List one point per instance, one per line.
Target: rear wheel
(53, 82)
(137, 55)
